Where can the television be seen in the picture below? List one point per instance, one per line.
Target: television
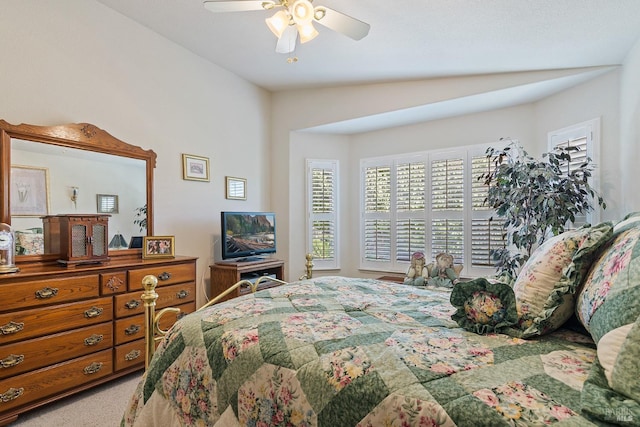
(246, 236)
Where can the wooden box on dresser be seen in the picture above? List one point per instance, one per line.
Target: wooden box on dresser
(64, 330)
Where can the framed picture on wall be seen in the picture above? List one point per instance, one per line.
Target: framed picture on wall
(195, 168)
(29, 191)
(236, 188)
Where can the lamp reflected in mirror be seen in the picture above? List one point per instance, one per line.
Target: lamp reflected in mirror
(118, 242)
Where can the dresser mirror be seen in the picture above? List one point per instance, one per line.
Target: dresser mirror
(69, 169)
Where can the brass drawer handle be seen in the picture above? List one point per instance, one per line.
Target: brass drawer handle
(12, 360)
(93, 312)
(11, 394)
(132, 355)
(93, 368)
(46, 293)
(182, 294)
(134, 303)
(11, 328)
(164, 276)
(132, 330)
(93, 340)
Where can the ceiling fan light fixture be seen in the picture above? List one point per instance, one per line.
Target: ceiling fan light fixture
(302, 12)
(278, 23)
(319, 13)
(307, 32)
(268, 5)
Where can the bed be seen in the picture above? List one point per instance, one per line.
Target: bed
(337, 351)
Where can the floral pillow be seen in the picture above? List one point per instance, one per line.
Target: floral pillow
(29, 243)
(546, 287)
(608, 306)
(484, 306)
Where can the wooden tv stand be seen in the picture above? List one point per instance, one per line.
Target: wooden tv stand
(225, 274)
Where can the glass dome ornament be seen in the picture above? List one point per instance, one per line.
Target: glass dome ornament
(7, 249)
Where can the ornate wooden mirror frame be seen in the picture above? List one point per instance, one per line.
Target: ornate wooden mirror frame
(81, 136)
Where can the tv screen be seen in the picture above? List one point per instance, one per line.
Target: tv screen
(248, 234)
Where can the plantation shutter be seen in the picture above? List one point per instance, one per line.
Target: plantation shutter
(323, 224)
(377, 212)
(410, 209)
(447, 207)
(486, 233)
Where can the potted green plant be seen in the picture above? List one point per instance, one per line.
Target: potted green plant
(535, 199)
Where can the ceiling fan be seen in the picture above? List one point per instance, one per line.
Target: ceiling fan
(294, 19)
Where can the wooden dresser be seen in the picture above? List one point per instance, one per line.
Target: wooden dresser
(64, 330)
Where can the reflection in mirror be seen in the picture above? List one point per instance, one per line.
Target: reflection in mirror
(74, 179)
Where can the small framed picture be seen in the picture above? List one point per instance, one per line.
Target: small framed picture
(158, 247)
(136, 242)
(29, 191)
(107, 203)
(236, 188)
(195, 168)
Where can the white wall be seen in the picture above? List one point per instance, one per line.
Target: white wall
(528, 123)
(73, 61)
(629, 154)
(302, 109)
(596, 98)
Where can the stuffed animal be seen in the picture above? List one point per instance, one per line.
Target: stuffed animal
(417, 274)
(443, 273)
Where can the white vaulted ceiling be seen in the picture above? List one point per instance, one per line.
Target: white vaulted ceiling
(410, 40)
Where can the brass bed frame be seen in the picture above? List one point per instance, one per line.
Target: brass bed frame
(153, 333)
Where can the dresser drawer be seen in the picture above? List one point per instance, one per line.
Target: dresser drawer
(36, 353)
(23, 389)
(132, 328)
(166, 274)
(49, 291)
(113, 282)
(168, 296)
(129, 355)
(43, 321)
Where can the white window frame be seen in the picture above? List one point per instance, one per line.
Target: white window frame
(333, 165)
(589, 129)
(466, 215)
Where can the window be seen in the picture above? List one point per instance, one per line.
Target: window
(429, 202)
(586, 138)
(322, 208)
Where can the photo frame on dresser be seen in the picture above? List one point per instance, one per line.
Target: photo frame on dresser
(158, 247)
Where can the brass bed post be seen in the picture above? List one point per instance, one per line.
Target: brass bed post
(308, 267)
(149, 297)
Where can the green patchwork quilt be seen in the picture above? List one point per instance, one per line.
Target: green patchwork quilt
(339, 352)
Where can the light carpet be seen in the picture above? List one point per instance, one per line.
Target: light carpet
(102, 406)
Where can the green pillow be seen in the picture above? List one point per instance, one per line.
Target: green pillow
(608, 306)
(484, 306)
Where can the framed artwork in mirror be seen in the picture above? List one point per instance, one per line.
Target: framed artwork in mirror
(107, 203)
(195, 168)
(236, 188)
(30, 191)
(158, 247)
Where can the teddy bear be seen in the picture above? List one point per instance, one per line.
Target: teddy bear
(417, 274)
(443, 272)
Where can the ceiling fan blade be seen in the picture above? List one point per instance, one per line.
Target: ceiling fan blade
(345, 24)
(236, 5)
(287, 41)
